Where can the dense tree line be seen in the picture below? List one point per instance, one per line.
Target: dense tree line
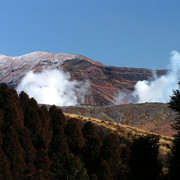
(41, 143)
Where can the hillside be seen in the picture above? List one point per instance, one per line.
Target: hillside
(121, 129)
(105, 81)
(41, 143)
(154, 117)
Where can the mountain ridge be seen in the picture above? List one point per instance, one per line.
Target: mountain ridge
(105, 81)
(153, 117)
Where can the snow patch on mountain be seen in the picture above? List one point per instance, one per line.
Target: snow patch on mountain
(11, 68)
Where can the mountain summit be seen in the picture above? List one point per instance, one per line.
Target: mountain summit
(105, 81)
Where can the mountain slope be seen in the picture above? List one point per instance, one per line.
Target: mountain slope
(41, 143)
(105, 81)
(154, 117)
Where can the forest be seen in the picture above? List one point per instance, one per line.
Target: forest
(41, 143)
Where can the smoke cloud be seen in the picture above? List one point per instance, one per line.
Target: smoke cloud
(160, 88)
(124, 98)
(53, 87)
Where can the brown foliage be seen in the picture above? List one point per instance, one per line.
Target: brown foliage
(32, 138)
(24, 138)
(74, 135)
(111, 153)
(58, 145)
(57, 116)
(92, 148)
(14, 152)
(105, 171)
(4, 167)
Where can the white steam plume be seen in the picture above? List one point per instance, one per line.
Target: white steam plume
(53, 87)
(124, 98)
(160, 88)
(121, 98)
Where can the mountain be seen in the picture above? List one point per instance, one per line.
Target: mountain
(105, 81)
(153, 117)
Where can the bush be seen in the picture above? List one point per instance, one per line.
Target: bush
(69, 167)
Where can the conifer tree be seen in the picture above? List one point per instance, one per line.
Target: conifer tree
(144, 162)
(14, 152)
(74, 135)
(57, 116)
(111, 153)
(92, 148)
(58, 145)
(4, 167)
(174, 156)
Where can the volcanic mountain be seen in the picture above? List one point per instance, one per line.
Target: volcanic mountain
(105, 81)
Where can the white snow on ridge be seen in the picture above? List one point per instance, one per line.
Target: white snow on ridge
(13, 67)
(39, 55)
(34, 58)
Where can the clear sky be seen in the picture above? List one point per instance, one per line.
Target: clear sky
(123, 33)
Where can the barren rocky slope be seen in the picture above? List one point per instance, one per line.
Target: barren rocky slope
(105, 81)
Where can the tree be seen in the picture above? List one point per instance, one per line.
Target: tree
(174, 156)
(14, 152)
(57, 116)
(58, 145)
(4, 167)
(30, 152)
(144, 162)
(105, 171)
(46, 130)
(92, 148)
(74, 135)
(111, 153)
(69, 167)
(42, 161)
(174, 104)
(10, 112)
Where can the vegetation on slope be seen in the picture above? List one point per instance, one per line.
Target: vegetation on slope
(41, 143)
(154, 117)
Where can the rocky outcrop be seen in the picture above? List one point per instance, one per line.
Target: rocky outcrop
(105, 81)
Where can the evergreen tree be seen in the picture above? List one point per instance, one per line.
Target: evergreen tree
(30, 152)
(4, 167)
(105, 171)
(144, 162)
(111, 154)
(174, 156)
(74, 135)
(13, 150)
(58, 145)
(92, 148)
(57, 116)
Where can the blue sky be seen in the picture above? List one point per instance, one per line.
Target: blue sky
(123, 33)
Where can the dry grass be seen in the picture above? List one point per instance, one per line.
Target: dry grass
(118, 127)
(152, 117)
(129, 132)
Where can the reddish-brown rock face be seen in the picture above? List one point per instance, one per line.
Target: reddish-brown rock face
(105, 81)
